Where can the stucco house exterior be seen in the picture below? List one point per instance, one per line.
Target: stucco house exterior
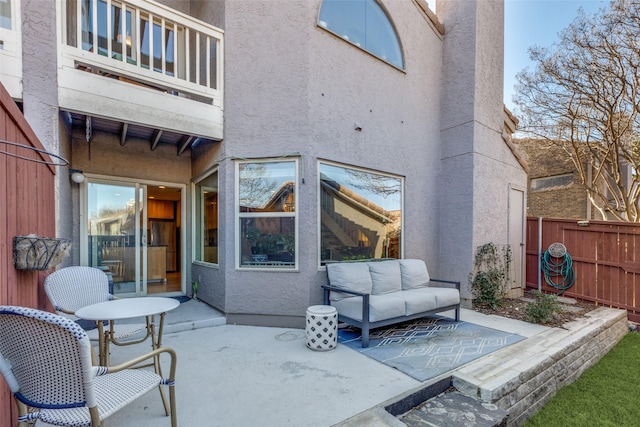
(239, 145)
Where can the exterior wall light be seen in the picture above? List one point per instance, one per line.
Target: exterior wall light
(76, 176)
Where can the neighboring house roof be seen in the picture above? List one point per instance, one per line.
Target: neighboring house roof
(510, 126)
(356, 200)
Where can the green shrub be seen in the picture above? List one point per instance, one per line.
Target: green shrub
(543, 308)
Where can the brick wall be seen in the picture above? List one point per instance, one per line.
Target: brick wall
(546, 159)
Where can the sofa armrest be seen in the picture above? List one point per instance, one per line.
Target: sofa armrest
(450, 282)
(364, 325)
(328, 289)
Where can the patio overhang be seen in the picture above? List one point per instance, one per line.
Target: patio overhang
(126, 132)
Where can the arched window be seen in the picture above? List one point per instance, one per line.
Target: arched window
(365, 24)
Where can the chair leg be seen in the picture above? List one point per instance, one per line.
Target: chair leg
(167, 410)
(172, 400)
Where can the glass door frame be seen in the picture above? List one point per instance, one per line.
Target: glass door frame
(140, 232)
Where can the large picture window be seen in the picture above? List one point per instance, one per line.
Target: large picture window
(364, 24)
(207, 220)
(360, 214)
(266, 208)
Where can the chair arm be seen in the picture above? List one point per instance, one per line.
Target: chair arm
(65, 311)
(452, 282)
(131, 364)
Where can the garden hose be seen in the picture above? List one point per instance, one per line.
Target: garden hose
(556, 263)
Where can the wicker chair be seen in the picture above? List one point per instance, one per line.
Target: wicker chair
(72, 288)
(46, 361)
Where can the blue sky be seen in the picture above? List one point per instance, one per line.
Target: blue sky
(535, 22)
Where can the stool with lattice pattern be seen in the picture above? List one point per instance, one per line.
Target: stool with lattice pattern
(322, 327)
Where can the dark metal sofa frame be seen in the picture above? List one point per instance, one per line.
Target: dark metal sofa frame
(365, 325)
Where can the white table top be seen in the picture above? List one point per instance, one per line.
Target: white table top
(127, 308)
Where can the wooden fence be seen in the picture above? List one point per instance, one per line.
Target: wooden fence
(605, 255)
(27, 206)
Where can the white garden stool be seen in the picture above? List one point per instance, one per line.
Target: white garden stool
(322, 327)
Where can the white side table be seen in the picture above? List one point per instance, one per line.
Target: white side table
(322, 327)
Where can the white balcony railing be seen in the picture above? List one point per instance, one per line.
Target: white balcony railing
(146, 43)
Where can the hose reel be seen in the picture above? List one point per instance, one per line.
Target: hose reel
(557, 266)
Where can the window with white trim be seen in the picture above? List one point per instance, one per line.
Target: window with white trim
(207, 208)
(365, 24)
(549, 182)
(266, 205)
(360, 214)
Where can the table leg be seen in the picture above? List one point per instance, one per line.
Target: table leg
(103, 345)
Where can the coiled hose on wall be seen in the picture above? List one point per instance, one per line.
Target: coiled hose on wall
(557, 266)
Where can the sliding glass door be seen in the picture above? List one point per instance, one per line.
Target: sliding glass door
(116, 234)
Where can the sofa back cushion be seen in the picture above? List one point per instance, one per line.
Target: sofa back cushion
(385, 277)
(351, 276)
(414, 273)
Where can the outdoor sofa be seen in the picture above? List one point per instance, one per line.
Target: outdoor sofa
(373, 294)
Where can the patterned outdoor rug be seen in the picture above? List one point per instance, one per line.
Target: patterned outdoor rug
(428, 347)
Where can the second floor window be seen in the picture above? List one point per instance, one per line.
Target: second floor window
(365, 24)
(5, 14)
(551, 182)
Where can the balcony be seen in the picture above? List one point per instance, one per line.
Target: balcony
(11, 48)
(142, 64)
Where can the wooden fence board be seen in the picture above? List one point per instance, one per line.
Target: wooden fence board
(606, 260)
(26, 206)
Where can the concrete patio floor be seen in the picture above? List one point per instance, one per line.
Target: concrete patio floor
(230, 375)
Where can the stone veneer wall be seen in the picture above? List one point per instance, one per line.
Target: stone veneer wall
(529, 373)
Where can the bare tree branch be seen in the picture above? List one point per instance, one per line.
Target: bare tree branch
(584, 95)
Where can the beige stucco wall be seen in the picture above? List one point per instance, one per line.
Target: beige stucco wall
(301, 89)
(292, 88)
(477, 166)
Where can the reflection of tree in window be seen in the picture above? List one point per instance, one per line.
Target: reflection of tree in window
(361, 214)
(378, 184)
(255, 186)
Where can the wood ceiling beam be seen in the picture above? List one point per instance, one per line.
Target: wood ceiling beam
(185, 142)
(123, 134)
(155, 138)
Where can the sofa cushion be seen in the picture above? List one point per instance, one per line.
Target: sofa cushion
(381, 307)
(447, 296)
(414, 273)
(385, 277)
(418, 300)
(352, 276)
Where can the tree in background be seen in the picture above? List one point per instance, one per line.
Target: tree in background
(584, 95)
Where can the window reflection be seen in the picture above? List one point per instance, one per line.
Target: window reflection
(267, 187)
(267, 210)
(361, 214)
(365, 24)
(207, 208)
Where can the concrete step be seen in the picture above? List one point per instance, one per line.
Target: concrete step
(455, 409)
